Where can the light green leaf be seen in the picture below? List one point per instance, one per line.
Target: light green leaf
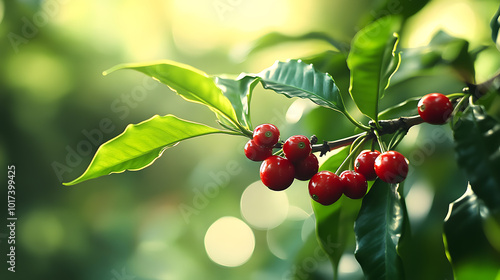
(294, 78)
(275, 38)
(190, 83)
(405, 108)
(373, 60)
(140, 145)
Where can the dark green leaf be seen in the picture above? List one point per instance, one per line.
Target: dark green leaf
(276, 38)
(294, 78)
(373, 61)
(239, 93)
(191, 84)
(140, 145)
(495, 26)
(380, 224)
(333, 63)
(404, 8)
(464, 234)
(477, 145)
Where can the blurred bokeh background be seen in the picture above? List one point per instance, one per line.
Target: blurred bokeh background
(199, 211)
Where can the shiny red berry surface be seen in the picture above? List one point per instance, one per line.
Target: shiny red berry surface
(297, 148)
(257, 153)
(306, 168)
(364, 164)
(435, 108)
(325, 187)
(266, 135)
(391, 167)
(277, 173)
(354, 184)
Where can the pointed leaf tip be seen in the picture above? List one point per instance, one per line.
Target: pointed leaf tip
(140, 145)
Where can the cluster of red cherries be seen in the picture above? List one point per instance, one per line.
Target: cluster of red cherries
(277, 172)
(326, 187)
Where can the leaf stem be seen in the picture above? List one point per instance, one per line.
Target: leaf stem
(381, 144)
(455, 95)
(245, 131)
(355, 122)
(352, 153)
(458, 108)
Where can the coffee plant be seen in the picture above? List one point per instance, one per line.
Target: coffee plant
(359, 188)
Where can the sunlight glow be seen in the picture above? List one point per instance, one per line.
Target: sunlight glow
(348, 264)
(2, 10)
(454, 17)
(419, 202)
(296, 110)
(201, 26)
(229, 242)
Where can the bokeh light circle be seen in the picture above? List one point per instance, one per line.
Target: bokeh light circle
(263, 208)
(229, 242)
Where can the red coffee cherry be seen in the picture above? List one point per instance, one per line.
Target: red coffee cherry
(354, 184)
(435, 108)
(364, 164)
(391, 167)
(306, 168)
(266, 135)
(325, 187)
(277, 173)
(297, 148)
(257, 153)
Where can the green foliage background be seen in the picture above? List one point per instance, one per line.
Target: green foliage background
(52, 95)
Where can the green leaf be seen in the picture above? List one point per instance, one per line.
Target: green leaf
(477, 146)
(495, 26)
(373, 61)
(276, 38)
(239, 93)
(294, 78)
(465, 238)
(140, 145)
(333, 63)
(191, 84)
(380, 224)
(405, 8)
(405, 108)
(329, 229)
(443, 50)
